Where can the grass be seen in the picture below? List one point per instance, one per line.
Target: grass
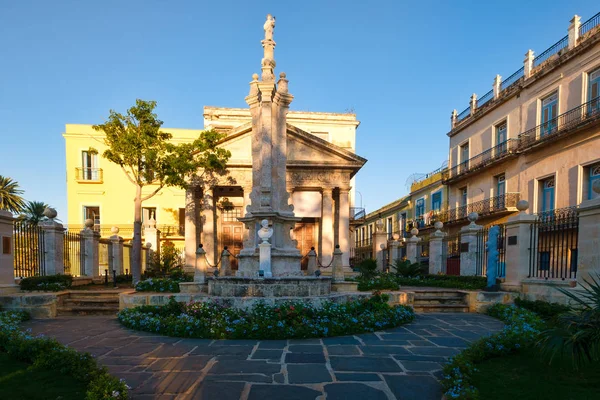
(525, 376)
(19, 382)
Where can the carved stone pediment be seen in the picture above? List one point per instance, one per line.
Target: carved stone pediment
(317, 178)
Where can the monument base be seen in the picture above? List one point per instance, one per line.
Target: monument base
(283, 264)
(302, 286)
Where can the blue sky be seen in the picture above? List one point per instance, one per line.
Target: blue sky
(402, 66)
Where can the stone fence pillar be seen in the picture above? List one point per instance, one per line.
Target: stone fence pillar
(7, 261)
(54, 242)
(588, 255)
(395, 249)
(379, 240)
(518, 240)
(115, 258)
(200, 266)
(435, 249)
(151, 235)
(574, 31)
(411, 246)
(226, 263)
(312, 262)
(337, 273)
(91, 239)
(468, 242)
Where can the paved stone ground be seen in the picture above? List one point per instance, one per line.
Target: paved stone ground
(401, 363)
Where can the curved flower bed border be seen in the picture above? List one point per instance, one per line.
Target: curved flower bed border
(291, 320)
(46, 353)
(522, 328)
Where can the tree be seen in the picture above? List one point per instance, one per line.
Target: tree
(10, 195)
(33, 212)
(137, 144)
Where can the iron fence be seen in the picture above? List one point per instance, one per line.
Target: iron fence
(29, 250)
(487, 206)
(73, 254)
(482, 252)
(481, 160)
(105, 254)
(553, 246)
(573, 119)
(451, 254)
(589, 24)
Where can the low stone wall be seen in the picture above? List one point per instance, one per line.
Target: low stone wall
(479, 301)
(269, 287)
(130, 300)
(545, 290)
(38, 305)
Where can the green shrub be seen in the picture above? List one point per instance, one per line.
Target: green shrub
(522, 329)
(168, 260)
(367, 268)
(544, 309)
(285, 321)
(381, 282)
(49, 283)
(44, 353)
(407, 269)
(124, 278)
(158, 285)
(393, 282)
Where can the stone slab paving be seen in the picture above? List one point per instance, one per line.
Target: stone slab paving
(400, 363)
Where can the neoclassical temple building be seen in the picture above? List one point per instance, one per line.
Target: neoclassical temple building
(319, 176)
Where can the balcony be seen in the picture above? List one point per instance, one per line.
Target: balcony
(357, 215)
(89, 175)
(482, 160)
(171, 230)
(494, 205)
(365, 243)
(578, 118)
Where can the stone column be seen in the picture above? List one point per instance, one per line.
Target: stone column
(54, 242)
(326, 227)
(90, 243)
(7, 261)
(468, 239)
(151, 235)
(473, 103)
(116, 249)
(226, 263)
(192, 231)
(574, 31)
(497, 83)
(208, 227)
(518, 239)
(411, 246)
(312, 262)
(436, 256)
(200, 266)
(246, 231)
(337, 273)
(528, 63)
(588, 255)
(344, 227)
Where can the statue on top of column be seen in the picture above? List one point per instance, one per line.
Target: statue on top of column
(269, 26)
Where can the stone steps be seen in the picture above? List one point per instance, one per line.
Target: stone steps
(441, 308)
(87, 310)
(93, 302)
(430, 301)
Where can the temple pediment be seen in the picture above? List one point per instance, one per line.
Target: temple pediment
(303, 150)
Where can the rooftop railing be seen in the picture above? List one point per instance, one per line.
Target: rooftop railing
(481, 160)
(485, 98)
(464, 114)
(484, 207)
(552, 50)
(564, 123)
(589, 24)
(514, 78)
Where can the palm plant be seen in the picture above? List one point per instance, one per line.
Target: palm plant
(576, 333)
(10, 195)
(33, 212)
(406, 269)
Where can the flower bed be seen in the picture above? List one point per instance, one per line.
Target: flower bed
(286, 321)
(393, 282)
(158, 285)
(522, 329)
(50, 283)
(46, 354)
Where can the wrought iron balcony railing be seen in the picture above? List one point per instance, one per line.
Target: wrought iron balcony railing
(367, 242)
(481, 160)
(562, 124)
(89, 174)
(484, 207)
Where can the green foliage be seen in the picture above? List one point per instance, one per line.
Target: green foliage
(407, 269)
(10, 195)
(576, 334)
(33, 213)
(284, 321)
(393, 282)
(522, 330)
(544, 309)
(124, 278)
(48, 354)
(367, 268)
(168, 260)
(167, 285)
(49, 283)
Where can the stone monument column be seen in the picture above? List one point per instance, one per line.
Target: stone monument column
(344, 227)
(208, 227)
(326, 226)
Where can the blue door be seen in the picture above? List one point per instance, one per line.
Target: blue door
(549, 114)
(501, 138)
(548, 195)
(594, 177)
(420, 211)
(501, 185)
